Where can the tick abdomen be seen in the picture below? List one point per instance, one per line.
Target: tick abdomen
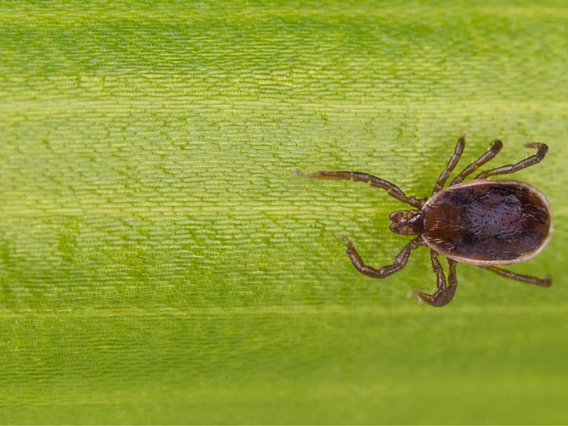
(488, 222)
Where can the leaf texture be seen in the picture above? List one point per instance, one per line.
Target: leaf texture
(161, 263)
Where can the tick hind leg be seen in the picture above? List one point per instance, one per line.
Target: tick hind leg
(444, 294)
(391, 188)
(529, 279)
(494, 149)
(541, 148)
(399, 262)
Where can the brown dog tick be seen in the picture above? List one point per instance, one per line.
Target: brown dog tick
(482, 222)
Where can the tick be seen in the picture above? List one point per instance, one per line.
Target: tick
(482, 222)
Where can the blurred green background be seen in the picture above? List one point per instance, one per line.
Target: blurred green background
(160, 263)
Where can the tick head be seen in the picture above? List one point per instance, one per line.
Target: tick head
(407, 222)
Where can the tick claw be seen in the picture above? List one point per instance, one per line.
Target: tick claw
(413, 293)
(422, 297)
(298, 173)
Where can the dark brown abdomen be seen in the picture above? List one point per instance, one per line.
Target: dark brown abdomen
(488, 222)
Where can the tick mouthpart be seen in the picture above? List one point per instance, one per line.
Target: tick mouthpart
(407, 222)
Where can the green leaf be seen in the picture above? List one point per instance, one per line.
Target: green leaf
(161, 263)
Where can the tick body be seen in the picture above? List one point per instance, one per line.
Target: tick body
(482, 222)
(486, 222)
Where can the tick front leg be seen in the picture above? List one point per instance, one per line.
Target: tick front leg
(543, 282)
(454, 159)
(496, 146)
(444, 294)
(541, 148)
(391, 188)
(399, 262)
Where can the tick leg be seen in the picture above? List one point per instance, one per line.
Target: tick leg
(399, 262)
(496, 146)
(541, 148)
(391, 188)
(443, 295)
(454, 159)
(544, 282)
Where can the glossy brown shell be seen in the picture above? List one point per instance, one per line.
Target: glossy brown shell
(488, 222)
